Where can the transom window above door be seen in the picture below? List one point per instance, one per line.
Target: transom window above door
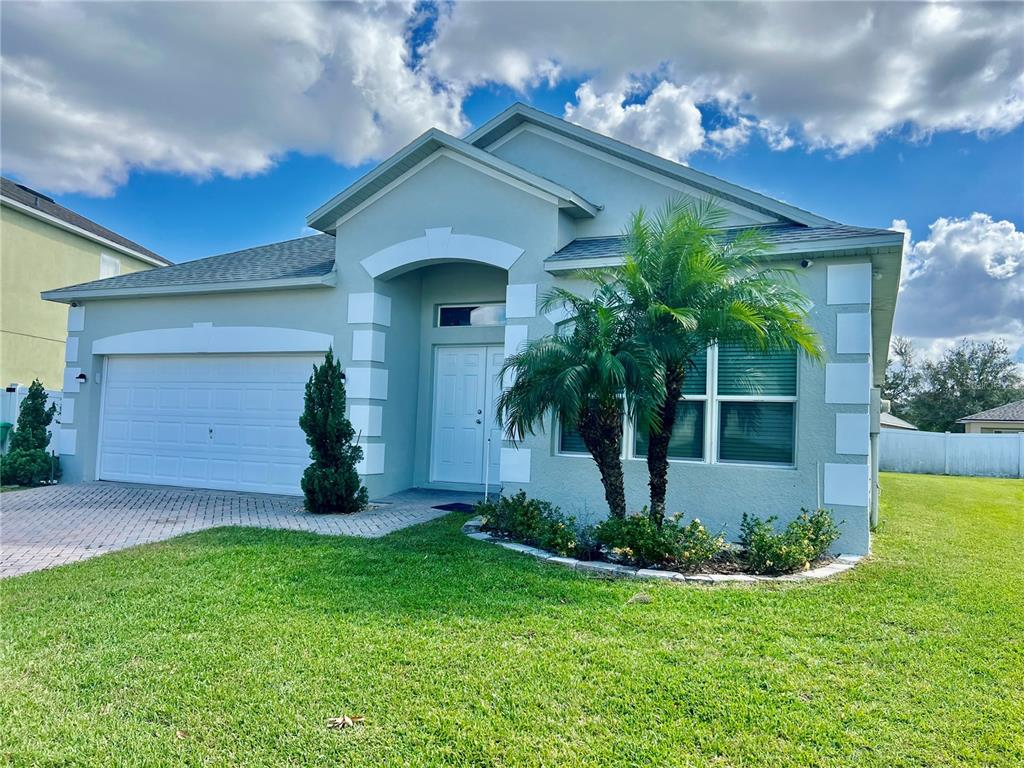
(455, 315)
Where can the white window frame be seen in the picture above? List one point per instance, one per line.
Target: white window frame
(109, 259)
(475, 304)
(712, 411)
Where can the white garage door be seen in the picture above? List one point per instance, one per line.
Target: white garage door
(229, 422)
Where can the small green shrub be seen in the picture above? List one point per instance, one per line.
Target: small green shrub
(330, 483)
(804, 540)
(537, 523)
(29, 467)
(637, 539)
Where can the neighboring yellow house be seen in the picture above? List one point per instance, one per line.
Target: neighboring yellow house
(43, 246)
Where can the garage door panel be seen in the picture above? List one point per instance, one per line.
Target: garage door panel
(159, 411)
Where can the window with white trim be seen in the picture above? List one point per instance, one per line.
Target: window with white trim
(738, 407)
(756, 406)
(110, 266)
(461, 315)
(688, 432)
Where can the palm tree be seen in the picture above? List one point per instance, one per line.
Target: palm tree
(582, 377)
(688, 286)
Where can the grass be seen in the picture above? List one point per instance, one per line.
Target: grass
(233, 646)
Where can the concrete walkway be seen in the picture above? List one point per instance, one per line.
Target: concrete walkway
(44, 527)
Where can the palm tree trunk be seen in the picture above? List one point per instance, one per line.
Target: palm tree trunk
(601, 430)
(658, 442)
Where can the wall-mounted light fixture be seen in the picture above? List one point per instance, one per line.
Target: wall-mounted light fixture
(81, 378)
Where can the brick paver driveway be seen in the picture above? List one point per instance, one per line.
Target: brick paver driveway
(58, 524)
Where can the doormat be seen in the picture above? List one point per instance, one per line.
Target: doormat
(457, 506)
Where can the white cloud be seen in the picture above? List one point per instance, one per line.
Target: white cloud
(91, 92)
(667, 122)
(837, 75)
(965, 279)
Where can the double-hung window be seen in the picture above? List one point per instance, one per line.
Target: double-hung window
(738, 407)
(688, 432)
(756, 406)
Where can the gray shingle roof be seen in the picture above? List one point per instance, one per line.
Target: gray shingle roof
(29, 197)
(311, 256)
(1010, 412)
(775, 234)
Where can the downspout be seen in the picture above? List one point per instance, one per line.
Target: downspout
(878, 406)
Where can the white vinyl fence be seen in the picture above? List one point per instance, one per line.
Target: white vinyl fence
(946, 453)
(10, 404)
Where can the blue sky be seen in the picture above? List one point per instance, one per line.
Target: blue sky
(949, 174)
(200, 128)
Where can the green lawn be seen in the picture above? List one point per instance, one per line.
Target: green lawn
(233, 646)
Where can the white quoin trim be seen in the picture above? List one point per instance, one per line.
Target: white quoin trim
(521, 300)
(853, 333)
(367, 420)
(440, 246)
(370, 307)
(373, 459)
(846, 484)
(206, 338)
(368, 345)
(852, 433)
(848, 283)
(848, 383)
(366, 383)
(76, 319)
(71, 350)
(68, 442)
(71, 382)
(515, 465)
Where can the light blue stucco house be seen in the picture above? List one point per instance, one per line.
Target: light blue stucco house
(428, 272)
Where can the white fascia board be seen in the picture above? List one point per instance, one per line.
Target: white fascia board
(324, 281)
(640, 157)
(61, 224)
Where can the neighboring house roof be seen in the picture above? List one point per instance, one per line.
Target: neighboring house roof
(293, 263)
(325, 217)
(782, 238)
(1010, 412)
(519, 113)
(38, 205)
(888, 421)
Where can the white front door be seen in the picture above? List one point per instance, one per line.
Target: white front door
(229, 422)
(465, 390)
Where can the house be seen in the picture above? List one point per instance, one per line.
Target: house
(43, 244)
(425, 274)
(1004, 420)
(888, 421)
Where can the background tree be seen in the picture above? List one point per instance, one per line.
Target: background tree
(687, 287)
(583, 377)
(971, 377)
(902, 376)
(27, 461)
(330, 483)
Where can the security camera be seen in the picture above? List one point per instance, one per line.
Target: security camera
(805, 263)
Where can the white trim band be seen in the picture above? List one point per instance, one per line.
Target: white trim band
(439, 246)
(207, 338)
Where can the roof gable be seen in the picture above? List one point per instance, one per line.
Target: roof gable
(520, 114)
(411, 157)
